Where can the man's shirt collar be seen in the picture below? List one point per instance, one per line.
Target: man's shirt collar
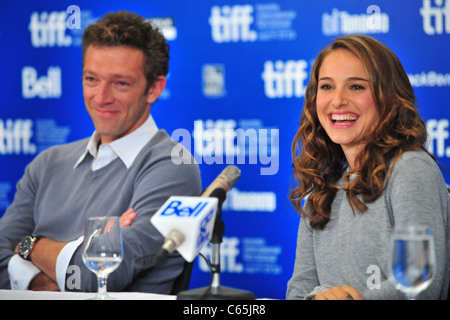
(126, 148)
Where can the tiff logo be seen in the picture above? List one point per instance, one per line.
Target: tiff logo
(438, 134)
(232, 23)
(285, 79)
(437, 14)
(15, 137)
(220, 142)
(229, 251)
(48, 29)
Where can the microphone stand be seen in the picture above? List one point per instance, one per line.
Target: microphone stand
(215, 291)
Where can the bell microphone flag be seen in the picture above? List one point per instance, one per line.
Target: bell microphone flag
(191, 217)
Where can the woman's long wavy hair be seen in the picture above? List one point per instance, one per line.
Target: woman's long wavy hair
(321, 162)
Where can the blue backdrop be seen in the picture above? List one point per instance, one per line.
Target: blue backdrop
(235, 91)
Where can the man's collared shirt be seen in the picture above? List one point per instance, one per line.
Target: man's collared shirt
(127, 148)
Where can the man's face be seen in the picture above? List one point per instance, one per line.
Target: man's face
(114, 90)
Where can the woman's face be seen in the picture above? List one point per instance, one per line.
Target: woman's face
(345, 104)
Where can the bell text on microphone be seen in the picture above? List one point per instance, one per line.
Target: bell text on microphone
(188, 223)
(191, 218)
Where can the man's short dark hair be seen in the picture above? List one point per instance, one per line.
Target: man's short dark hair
(128, 29)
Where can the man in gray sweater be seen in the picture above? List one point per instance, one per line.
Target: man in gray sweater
(125, 168)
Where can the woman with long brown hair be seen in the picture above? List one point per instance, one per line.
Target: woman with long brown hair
(361, 168)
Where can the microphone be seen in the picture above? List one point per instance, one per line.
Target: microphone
(188, 222)
(173, 240)
(217, 189)
(224, 182)
(215, 291)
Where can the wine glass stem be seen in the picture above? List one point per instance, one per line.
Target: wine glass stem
(102, 293)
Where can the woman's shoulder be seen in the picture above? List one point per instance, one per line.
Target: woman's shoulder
(418, 158)
(418, 165)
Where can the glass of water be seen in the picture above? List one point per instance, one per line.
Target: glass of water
(102, 249)
(412, 259)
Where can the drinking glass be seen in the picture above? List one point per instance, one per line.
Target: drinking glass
(102, 249)
(412, 261)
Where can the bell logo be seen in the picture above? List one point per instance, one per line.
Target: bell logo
(205, 234)
(45, 86)
(175, 208)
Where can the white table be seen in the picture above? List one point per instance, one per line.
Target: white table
(50, 295)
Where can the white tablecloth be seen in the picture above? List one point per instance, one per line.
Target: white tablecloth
(49, 295)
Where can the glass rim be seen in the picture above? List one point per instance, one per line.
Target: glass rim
(413, 228)
(103, 218)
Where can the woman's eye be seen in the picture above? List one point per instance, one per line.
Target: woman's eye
(357, 87)
(325, 87)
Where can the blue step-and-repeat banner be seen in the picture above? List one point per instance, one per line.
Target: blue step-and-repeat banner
(235, 91)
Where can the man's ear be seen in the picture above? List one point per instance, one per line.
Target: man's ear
(156, 89)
